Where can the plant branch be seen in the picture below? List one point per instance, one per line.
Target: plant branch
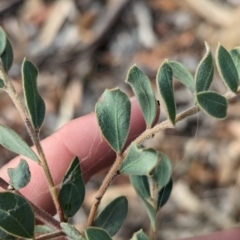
(145, 135)
(50, 235)
(35, 139)
(103, 188)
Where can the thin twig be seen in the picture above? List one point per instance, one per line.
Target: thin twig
(35, 139)
(144, 136)
(40, 214)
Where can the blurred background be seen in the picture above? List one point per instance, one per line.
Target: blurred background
(82, 47)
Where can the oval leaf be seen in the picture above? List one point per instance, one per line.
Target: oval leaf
(226, 68)
(204, 73)
(113, 114)
(16, 215)
(165, 87)
(35, 103)
(7, 56)
(142, 88)
(71, 232)
(113, 215)
(19, 176)
(165, 193)
(183, 75)
(140, 235)
(163, 171)
(3, 41)
(213, 104)
(94, 233)
(235, 54)
(12, 141)
(139, 161)
(72, 191)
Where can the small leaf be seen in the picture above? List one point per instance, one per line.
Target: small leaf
(142, 88)
(213, 104)
(72, 191)
(12, 141)
(165, 87)
(2, 85)
(183, 75)
(3, 41)
(165, 193)
(163, 171)
(5, 236)
(113, 215)
(42, 229)
(113, 114)
(94, 233)
(7, 56)
(142, 189)
(139, 161)
(35, 103)
(226, 68)
(16, 215)
(19, 176)
(71, 232)
(204, 73)
(140, 235)
(235, 54)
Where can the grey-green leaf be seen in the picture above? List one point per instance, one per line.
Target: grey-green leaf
(165, 87)
(95, 233)
(235, 54)
(140, 235)
(181, 73)
(19, 176)
(204, 72)
(113, 215)
(16, 215)
(3, 41)
(165, 193)
(35, 103)
(113, 114)
(7, 56)
(163, 171)
(226, 68)
(142, 88)
(72, 191)
(71, 232)
(11, 140)
(141, 187)
(2, 85)
(213, 104)
(139, 161)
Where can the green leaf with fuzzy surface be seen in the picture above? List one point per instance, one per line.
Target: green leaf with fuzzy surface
(7, 56)
(204, 73)
(163, 171)
(165, 193)
(139, 161)
(113, 114)
(3, 41)
(12, 141)
(19, 176)
(181, 73)
(235, 54)
(142, 88)
(72, 191)
(226, 68)
(95, 233)
(71, 232)
(141, 186)
(113, 215)
(140, 235)
(213, 104)
(165, 87)
(16, 215)
(35, 103)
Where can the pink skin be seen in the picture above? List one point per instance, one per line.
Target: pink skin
(81, 137)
